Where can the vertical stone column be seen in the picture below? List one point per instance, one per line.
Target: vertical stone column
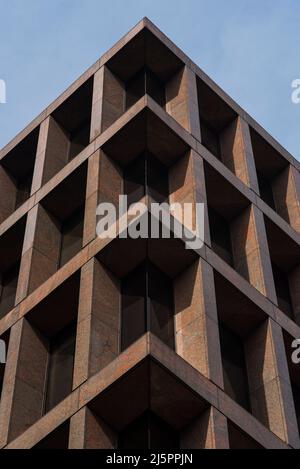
(237, 153)
(196, 321)
(286, 193)
(182, 100)
(209, 431)
(9, 382)
(40, 253)
(104, 184)
(91, 202)
(24, 381)
(250, 251)
(108, 101)
(98, 321)
(56, 151)
(187, 185)
(88, 431)
(39, 165)
(270, 388)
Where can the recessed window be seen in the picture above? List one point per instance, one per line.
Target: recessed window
(234, 366)
(144, 82)
(147, 305)
(220, 235)
(11, 244)
(71, 235)
(58, 439)
(9, 283)
(282, 290)
(240, 440)
(285, 260)
(60, 366)
(148, 432)
(216, 116)
(146, 175)
(69, 130)
(16, 171)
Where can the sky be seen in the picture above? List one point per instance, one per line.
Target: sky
(248, 47)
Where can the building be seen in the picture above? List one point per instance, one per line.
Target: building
(130, 343)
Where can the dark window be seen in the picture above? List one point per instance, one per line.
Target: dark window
(157, 179)
(71, 236)
(9, 282)
(146, 175)
(58, 439)
(134, 322)
(220, 235)
(23, 191)
(135, 180)
(265, 190)
(147, 304)
(60, 366)
(282, 290)
(240, 440)
(144, 82)
(79, 139)
(296, 396)
(210, 139)
(160, 304)
(234, 367)
(148, 432)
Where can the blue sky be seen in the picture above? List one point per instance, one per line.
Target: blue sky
(249, 47)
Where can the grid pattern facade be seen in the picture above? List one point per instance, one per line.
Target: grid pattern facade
(218, 372)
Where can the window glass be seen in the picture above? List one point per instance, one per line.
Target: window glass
(9, 284)
(133, 306)
(220, 236)
(148, 432)
(234, 366)
(60, 366)
(282, 291)
(160, 292)
(147, 304)
(71, 236)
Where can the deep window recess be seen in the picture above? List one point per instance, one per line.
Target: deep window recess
(71, 235)
(144, 82)
(234, 367)
(146, 176)
(60, 367)
(148, 432)
(147, 305)
(265, 190)
(282, 291)
(220, 236)
(9, 282)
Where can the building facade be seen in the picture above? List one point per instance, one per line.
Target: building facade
(142, 343)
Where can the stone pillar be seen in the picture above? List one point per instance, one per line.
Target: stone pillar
(196, 320)
(88, 431)
(286, 193)
(57, 149)
(182, 100)
(209, 431)
(269, 383)
(98, 321)
(237, 154)
(108, 101)
(187, 185)
(39, 169)
(250, 251)
(25, 380)
(40, 253)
